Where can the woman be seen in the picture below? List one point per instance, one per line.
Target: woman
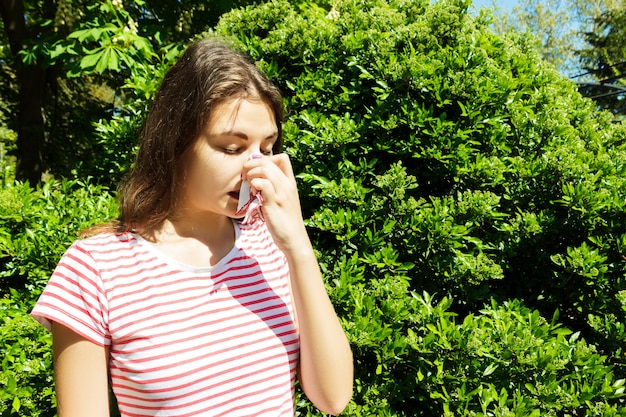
(181, 309)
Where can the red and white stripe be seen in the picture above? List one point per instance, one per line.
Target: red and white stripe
(184, 341)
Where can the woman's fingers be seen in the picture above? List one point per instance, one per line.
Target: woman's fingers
(283, 162)
(273, 177)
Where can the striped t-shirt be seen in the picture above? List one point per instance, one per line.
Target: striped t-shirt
(184, 341)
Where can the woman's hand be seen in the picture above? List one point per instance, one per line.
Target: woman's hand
(273, 177)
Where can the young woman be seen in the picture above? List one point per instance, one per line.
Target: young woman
(182, 310)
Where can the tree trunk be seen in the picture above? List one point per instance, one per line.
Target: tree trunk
(31, 83)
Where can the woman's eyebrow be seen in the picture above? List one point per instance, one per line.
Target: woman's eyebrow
(243, 135)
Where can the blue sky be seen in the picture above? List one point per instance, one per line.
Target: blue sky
(503, 4)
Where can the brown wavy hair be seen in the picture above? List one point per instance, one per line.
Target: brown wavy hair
(208, 73)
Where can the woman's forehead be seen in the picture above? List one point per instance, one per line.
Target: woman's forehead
(241, 114)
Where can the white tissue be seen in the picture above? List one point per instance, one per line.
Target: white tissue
(244, 197)
(249, 205)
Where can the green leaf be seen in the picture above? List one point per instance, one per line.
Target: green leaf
(91, 60)
(490, 369)
(17, 404)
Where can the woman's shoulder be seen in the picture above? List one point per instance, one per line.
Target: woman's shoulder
(107, 238)
(105, 242)
(106, 251)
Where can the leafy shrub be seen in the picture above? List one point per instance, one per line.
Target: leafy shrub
(436, 156)
(504, 361)
(36, 227)
(26, 377)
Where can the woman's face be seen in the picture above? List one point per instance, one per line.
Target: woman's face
(213, 166)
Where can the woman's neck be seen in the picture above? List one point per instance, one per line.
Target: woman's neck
(199, 241)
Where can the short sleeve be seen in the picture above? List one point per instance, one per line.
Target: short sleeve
(75, 297)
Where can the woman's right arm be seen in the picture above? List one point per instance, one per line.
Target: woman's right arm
(81, 374)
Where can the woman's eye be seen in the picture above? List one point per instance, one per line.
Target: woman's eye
(238, 150)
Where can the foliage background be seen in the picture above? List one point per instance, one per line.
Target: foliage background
(466, 203)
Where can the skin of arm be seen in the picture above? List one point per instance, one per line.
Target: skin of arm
(326, 370)
(326, 366)
(81, 374)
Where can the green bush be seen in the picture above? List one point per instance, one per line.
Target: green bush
(504, 361)
(436, 156)
(36, 227)
(26, 377)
